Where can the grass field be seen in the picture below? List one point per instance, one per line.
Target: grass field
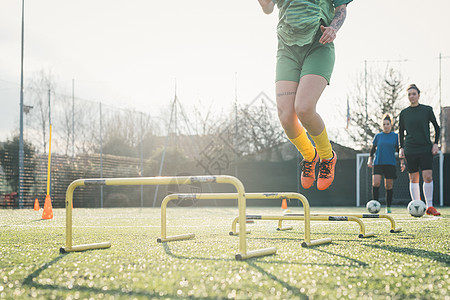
(410, 264)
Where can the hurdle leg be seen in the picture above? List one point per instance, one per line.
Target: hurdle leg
(362, 229)
(85, 247)
(69, 200)
(307, 213)
(394, 229)
(164, 237)
(256, 253)
(306, 243)
(316, 217)
(281, 228)
(242, 204)
(233, 227)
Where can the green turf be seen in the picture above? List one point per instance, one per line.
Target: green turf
(410, 264)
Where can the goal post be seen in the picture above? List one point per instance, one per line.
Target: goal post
(401, 184)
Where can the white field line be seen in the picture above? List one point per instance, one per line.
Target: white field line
(426, 219)
(430, 218)
(109, 226)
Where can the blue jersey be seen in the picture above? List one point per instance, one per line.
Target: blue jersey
(387, 144)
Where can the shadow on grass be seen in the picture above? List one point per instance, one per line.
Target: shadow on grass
(251, 262)
(440, 257)
(358, 262)
(24, 223)
(169, 252)
(295, 290)
(28, 281)
(371, 240)
(276, 239)
(39, 220)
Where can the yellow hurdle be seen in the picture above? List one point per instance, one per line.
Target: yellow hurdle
(394, 228)
(242, 229)
(179, 180)
(362, 229)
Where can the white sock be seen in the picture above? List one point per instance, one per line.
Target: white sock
(428, 192)
(414, 189)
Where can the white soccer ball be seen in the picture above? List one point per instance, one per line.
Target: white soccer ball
(417, 208)
(373, 206)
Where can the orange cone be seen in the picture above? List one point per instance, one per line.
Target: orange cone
(36, 204)
(48, 211)
(284, 204)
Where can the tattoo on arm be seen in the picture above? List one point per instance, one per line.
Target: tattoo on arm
(286, 94)
(339, 17)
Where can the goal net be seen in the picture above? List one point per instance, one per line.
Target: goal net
(401, 184)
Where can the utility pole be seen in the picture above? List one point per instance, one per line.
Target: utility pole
(73, 118)
(172, 115)
(365, 99)
(236, 131)
(141, 138)
(49, 189)
(440, 87)
(101, 156)
(21, 152)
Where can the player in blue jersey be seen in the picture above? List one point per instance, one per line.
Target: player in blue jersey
(385, 144)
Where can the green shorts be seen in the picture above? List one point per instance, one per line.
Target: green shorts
(295, 61)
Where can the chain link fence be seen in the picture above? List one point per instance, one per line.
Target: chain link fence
(93, 140)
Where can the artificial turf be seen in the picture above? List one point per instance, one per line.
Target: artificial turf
(411, 264)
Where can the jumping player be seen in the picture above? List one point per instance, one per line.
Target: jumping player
(416, 146)
(305, 59)
(385, 144)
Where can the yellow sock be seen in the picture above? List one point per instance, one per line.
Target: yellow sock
(304, 146)
(323, 145)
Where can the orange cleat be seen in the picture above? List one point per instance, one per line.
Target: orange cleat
(309, 171)
(432, 211)
(326, 172)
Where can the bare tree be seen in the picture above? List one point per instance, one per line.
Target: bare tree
(258, 125)
(203, 118)
(88, 126)
(383, 96)
(124, 131)
(38, 90)
(63, 120)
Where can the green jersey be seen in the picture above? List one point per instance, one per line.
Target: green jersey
(299, 20)
(416, 121)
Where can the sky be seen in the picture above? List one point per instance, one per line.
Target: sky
(133, 53)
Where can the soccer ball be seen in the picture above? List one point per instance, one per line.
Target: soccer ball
(417, 208)
(373, 206)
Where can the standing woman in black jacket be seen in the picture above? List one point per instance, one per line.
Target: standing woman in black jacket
(417, 147)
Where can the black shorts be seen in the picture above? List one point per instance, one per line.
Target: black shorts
(388, 171)
(422, 160)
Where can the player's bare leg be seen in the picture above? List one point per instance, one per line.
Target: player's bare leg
(309, 90)
(286, 94)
